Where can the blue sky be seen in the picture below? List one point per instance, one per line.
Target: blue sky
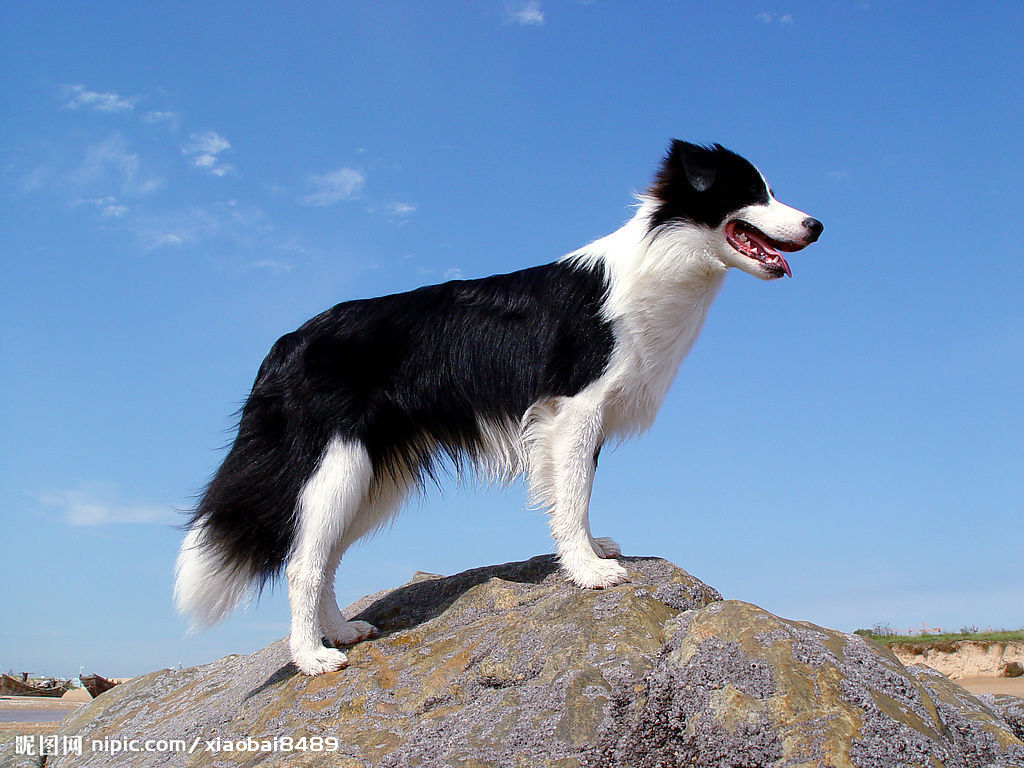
(184, 183)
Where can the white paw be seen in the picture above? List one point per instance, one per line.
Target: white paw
(597, 574)
(320, 660)
(605, 547)
(348, 632)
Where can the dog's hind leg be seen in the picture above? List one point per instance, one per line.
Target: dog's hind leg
(605, 547)
(328, 503)
(567, 447)
(333, 624)
(375, 510)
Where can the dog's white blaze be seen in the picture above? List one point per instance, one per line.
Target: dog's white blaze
(777, 220)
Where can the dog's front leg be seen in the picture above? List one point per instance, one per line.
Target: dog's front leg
(573, 443)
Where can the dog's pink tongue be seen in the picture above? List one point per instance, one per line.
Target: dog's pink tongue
(784, 264)
(770, 255)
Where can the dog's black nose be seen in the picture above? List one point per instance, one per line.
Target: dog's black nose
(814, 227)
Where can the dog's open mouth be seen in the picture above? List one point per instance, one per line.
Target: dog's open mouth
(755, 244)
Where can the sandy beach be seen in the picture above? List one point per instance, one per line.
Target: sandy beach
(1013, 686)
(32, 716)
(31, 713)
(15, 703)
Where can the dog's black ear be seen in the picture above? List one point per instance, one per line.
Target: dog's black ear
(687, 169)
(697, 163)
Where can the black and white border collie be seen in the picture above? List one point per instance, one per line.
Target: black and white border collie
(527, 373)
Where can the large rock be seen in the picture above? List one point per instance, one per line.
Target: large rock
(512, 666)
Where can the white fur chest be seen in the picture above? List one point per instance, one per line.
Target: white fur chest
(660, 291)
(652, 338)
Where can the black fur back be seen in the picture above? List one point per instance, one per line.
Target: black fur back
(409, 375)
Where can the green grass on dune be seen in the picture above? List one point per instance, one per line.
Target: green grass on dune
(887, 638)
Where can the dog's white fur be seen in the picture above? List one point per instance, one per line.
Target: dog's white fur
(201, 583)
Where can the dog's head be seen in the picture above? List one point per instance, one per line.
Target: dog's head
(745, 226)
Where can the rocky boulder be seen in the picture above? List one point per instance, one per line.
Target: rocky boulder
(510, 665)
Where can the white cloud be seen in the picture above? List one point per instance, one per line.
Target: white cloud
(108, 206)
(177, 228)
(101, 504)
(111, 163)
(528, 13)
(395, 211)
(245, 226)
(271, 265)
(79, 96)
(157, 239)
(156, 117)
(399, 212)
(334, 186)
(107, 175)
(208, 143)
(453, 274)
(401, 209)
(202, 151)
(768, 18)
(293, 246)
(36, 180)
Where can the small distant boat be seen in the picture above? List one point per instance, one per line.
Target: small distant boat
(95, 684)
(10, 686)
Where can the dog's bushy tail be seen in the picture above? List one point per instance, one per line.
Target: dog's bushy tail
(241, 532)
(207, 587)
